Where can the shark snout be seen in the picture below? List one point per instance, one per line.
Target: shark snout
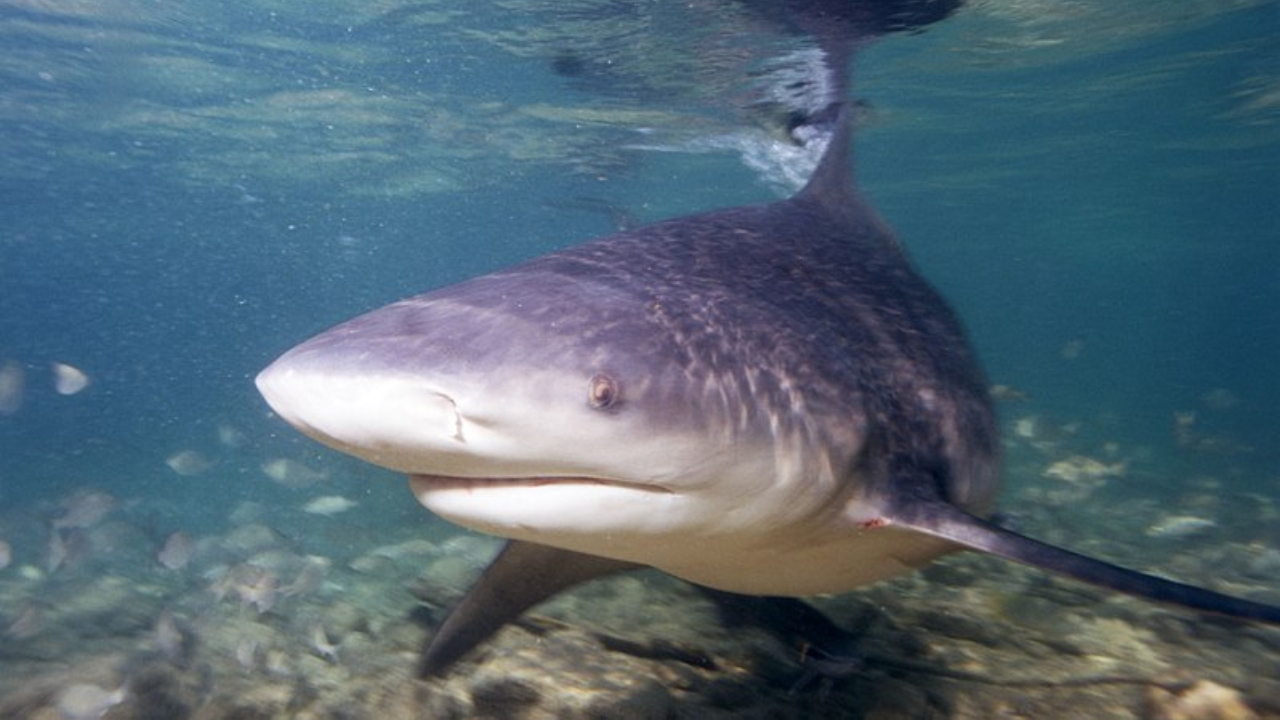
(387, 419)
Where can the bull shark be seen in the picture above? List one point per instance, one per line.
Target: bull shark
(763, 400)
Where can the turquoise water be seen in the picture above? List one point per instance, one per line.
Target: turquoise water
(187, 191)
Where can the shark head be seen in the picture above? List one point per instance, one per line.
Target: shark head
(572, 414)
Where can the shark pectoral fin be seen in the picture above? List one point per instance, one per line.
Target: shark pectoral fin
(523, 575)
(951, 523)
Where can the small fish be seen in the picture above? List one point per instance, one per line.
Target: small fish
(1177, 526)
(322, 645)
(84, 509)
(247, 512)
(1008, 393)
(1184, 428)
(68, 380)
(1027, 427)
(1220, 399)
(247, 653)
(170, 640)
(1082, 469)
(177, 551)
(220, 581)
(28, 623)
(67, 548)
(291, 473)
(6, 554)
(255, 587)
(85, 701)
(409, 548)
(329, 505)
(56, 552)
(231, 437)
(310, 578)
(12, 385)
(188, 463)
(1071, 349)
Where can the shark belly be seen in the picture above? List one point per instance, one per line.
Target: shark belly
(834, 564)
(816, 552)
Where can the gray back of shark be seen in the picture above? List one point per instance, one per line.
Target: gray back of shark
(820, 420)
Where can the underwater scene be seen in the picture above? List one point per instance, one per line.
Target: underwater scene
(188, 190)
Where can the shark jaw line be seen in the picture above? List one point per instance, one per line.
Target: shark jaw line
(422, 484)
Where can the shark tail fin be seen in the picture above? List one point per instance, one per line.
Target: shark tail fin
(948, 522)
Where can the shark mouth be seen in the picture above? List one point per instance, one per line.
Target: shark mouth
(424, 483)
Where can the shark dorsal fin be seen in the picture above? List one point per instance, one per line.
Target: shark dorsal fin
(831, 188)
(831, 185)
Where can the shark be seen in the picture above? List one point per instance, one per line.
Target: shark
(765, 400)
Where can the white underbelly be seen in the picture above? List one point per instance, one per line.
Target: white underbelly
(782, 566)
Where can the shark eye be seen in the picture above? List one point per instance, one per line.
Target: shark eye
(602, 393)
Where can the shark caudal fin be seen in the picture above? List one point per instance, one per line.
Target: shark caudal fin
(946, 521)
